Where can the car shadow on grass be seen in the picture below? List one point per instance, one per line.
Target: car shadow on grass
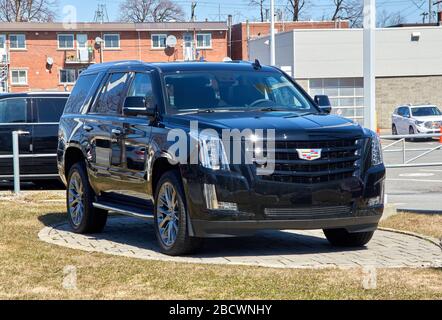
(131, 232)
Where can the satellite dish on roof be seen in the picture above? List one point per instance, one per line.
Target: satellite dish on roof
(49, 61)
(98, 40)
(171, 41)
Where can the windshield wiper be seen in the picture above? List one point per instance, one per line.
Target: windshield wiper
(301, 114)
(273, 109)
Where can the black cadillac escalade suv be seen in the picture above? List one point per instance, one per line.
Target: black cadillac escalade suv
(148, 140)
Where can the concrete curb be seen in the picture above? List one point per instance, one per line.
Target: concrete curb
(424, 211)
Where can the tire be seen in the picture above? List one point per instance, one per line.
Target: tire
(394, 130)
(411, 131)
(79, 194)
(343, 238)
(172, 235)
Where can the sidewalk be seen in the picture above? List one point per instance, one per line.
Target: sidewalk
(417, 203)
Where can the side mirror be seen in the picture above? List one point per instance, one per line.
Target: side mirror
(134, 106)
(323, 103)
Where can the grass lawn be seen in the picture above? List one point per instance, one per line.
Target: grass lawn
(31, 269)
(426, 224)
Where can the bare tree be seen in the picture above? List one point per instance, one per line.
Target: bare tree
(295, 7)
(385, 18)
(261, 5)
(150, 11)
(27, 10)
(351, 10)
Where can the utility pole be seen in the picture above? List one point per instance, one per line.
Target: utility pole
(272, 32)
(192, 11)
(101, 15)
(369, 64)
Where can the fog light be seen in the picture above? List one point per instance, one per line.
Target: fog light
(212, 201)
(228, 206)
(374, 201)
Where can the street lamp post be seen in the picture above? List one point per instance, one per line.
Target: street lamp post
(272, 32)
(369, 64)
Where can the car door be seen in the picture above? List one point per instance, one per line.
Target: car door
(15, 115)
(129, 147)
(400, 121)
(103, 127)
(46, 113)
(406, 122)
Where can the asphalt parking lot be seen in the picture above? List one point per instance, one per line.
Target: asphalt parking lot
(417, 188)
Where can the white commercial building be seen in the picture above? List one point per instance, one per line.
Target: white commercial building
(408, 66)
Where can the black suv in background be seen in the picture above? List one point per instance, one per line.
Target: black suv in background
(122, 119)
(38, 114)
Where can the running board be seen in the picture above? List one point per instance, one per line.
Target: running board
(129, 211)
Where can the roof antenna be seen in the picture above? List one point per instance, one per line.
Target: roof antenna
(256, 65)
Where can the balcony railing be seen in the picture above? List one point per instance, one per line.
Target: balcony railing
(79, 56)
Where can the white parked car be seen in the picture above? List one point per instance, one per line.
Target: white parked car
(414, 119)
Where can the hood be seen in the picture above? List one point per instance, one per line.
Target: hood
(429, 118)
(287, 125)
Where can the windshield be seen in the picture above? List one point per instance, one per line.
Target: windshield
(426, 111)
(233, 90)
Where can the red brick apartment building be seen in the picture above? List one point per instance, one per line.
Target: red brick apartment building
(244, 31)
(49, 56)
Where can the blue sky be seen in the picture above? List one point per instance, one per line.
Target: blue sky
(240, 9)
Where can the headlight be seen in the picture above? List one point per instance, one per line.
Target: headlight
(212, 153)
(419, 123)
(376, 150)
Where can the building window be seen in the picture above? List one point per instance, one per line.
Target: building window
(346, 95)
(19, 77)
(203, 40)
(112, 41)
(65, 41)
(159, 41)
(68, 76)
(17, 41)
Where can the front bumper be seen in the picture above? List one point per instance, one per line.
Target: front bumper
(264, 205)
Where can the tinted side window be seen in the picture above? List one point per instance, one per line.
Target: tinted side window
(13, 110)
(112, 94)
(141, 86)
(49, 109)
(80, 92)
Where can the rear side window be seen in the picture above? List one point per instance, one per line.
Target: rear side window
(80, 92)
(49, 109)
(112, 94)
(13, 110)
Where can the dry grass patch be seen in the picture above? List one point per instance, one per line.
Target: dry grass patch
(31, 269)
(425, 224)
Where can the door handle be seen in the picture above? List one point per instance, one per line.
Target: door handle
(87, 127)
(116, 132)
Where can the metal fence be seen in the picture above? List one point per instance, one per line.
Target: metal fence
(401, 140)
(16, 158)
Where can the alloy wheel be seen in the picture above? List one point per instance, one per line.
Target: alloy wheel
(76, 199)
(168, 213)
